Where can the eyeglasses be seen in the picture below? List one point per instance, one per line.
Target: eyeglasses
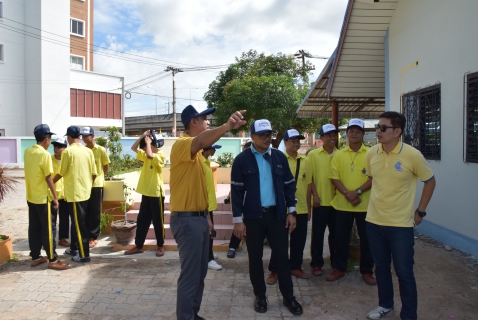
(265, 136)
(383, 127)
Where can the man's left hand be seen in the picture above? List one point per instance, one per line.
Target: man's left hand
(290, 222)
(211, 226)
(351, 195)
(417, 219)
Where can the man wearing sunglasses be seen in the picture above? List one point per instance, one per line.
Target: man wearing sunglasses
(394, 167)
(263, 205)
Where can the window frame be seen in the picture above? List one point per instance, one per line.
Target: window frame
(77, 56)
(470, 121)
(424, 131)
(71, 27)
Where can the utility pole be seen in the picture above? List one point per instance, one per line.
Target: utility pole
(174, 71)
(123, 126)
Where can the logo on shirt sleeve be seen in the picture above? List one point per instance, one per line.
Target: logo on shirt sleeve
(364, 171)
(398, 166)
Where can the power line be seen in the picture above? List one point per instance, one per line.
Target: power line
(93, 45)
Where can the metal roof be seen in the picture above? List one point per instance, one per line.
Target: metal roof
(354, 76)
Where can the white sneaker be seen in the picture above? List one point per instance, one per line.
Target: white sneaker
(378, 313)
(215, 256)
(214, 265)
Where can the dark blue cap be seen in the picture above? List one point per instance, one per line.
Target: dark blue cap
(42, 129)
(292, 133)
(214, 146)
(73, 131)
(87, 131)
(190, 112)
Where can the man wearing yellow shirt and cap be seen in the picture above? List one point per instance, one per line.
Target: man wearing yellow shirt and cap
(348, 175)
(59, 145)
(190, 223)
(211, 194)
(151, 187)
(96, 197)
(38, 170)
(78, 171)
(323, 191)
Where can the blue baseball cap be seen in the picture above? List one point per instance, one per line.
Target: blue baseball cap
(42, 129)
(73, 131)
(214, 146)
(292, 133)
(87, 131)
(190, 112)
(261, 126)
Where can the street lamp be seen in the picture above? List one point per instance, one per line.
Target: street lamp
(156, 98)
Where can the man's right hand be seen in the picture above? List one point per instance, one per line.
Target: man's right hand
(316, 202)
(56, 205)
(239, 230)
(236, 120)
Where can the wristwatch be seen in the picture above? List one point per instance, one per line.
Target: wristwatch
(421, 213)
(294, 213)
(359, 191)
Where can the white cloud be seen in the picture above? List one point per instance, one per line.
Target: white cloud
(209, 33)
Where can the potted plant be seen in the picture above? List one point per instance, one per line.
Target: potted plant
(7, 185)
(124, 230)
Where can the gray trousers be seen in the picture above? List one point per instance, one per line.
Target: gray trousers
(192, 236)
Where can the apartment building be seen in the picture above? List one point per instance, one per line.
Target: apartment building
(81, 34)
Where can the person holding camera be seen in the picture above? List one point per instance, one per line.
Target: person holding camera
(150, 185)
(211, 194)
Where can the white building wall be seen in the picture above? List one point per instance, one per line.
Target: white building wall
(12, 70)
(441, 36)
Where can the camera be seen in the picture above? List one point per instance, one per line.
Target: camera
(158, 141)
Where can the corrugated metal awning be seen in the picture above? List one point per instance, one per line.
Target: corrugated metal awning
(354, 76)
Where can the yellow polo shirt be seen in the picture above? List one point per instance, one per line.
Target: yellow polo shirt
(348, 166)
(394, 184)
(37, 166)
(101, 159)
(187, 181)
(59, 184)
(211, 191)
(320, 163)
(77, 168)
(303, 180)
(150, 181)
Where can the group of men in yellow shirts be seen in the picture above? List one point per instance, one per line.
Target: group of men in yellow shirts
(69, 183)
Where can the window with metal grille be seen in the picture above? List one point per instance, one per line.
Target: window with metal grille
(471, 118)
(422, 109)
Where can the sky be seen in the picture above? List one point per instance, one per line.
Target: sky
(195, 33)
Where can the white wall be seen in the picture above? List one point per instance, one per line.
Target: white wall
(441, 36)
(12, 71)
(80, 79)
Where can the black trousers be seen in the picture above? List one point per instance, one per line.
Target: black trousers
(151, 208)
(40, 231)
(211, 239)
(234, 242)
(278, 236)
(63, 216)
(322, 217)
(79, 236)
(344, 224)
(94, 212)
(298, 238)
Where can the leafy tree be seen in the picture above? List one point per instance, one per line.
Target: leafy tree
(268, 87)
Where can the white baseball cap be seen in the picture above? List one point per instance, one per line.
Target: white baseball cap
(356, 122)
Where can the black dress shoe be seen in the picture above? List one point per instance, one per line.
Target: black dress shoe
(231, 254)
(294, 307)
(198, 317)
(260, 305)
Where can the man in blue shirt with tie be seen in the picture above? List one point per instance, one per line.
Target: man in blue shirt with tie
(263, 205)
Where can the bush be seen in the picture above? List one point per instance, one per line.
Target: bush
(225, 160)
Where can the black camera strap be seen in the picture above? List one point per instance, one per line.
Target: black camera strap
(297, 170)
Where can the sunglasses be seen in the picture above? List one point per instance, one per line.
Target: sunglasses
(383, 127)
(265, 136)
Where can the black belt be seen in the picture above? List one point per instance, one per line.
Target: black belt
(268, 209)
(190, 213)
